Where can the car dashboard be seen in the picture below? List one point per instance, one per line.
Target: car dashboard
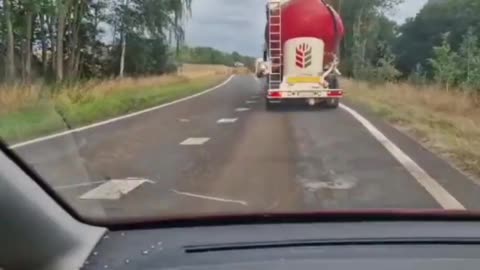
(352, 245)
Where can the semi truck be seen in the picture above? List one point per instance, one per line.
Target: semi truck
(302, 40)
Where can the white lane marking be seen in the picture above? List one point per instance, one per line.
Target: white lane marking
(242, 109)
(184, 120)
(339, 183)
(86, 184)
(60, 134)
(329, 185)
(114, 189)
(210, 198)
(227, 120)
(440, 194)
(195, 141)
(250, 101)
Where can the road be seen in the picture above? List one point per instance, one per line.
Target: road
(222, 152)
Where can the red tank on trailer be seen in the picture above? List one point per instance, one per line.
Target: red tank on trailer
(311, 18)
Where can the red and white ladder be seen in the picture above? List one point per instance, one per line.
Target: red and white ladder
(275, 43)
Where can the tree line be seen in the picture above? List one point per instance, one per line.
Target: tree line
(59, 40)
(440, 44)
(207, 55)
(71, 39)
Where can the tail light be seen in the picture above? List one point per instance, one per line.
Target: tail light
(275, 94)
(335, 93)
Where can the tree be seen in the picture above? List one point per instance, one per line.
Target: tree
(10, 63)
(125, 10)
(152, 17)
(418, 75)
(444, 63)
(69, 38)
(359, 46)
(385, 69)
(51, 16)
(45, 11)
(62, 9)
(76, 15)
(366, 25)
(31, 8)
(469, 61)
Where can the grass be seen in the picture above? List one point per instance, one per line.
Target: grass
(15, 97)
(446, 122)
(107, 106)
(29, 112)
(29, 122)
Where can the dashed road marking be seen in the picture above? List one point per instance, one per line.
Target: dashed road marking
(242, 109)
(209, 197)
(114, 189)
(86, 184)
(68, 132)
(227, 120)
(439, 193)
(195, 141)
(251, 101)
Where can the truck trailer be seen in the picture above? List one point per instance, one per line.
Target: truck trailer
(302, 39)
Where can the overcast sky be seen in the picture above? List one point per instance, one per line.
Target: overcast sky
(237, 25)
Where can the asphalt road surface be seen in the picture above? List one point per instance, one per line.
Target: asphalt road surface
(222, 152)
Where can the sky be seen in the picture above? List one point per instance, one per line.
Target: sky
(238, 25)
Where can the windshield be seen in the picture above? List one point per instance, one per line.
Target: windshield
(146, 109)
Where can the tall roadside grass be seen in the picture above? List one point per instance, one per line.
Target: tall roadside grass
(16, 97)
(446, 122)
(30, 111)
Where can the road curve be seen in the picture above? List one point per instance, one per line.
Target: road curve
(223, 152)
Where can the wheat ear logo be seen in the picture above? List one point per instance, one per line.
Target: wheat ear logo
(304, 56)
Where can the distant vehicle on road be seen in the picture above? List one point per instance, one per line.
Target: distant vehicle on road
(301, 55)
(239, 64)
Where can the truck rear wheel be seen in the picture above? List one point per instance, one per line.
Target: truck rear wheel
(269, 106)
(333, 103)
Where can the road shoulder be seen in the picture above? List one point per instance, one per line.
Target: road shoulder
(462, 187)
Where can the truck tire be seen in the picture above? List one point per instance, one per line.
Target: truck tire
(269, 106)
(333, 103)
